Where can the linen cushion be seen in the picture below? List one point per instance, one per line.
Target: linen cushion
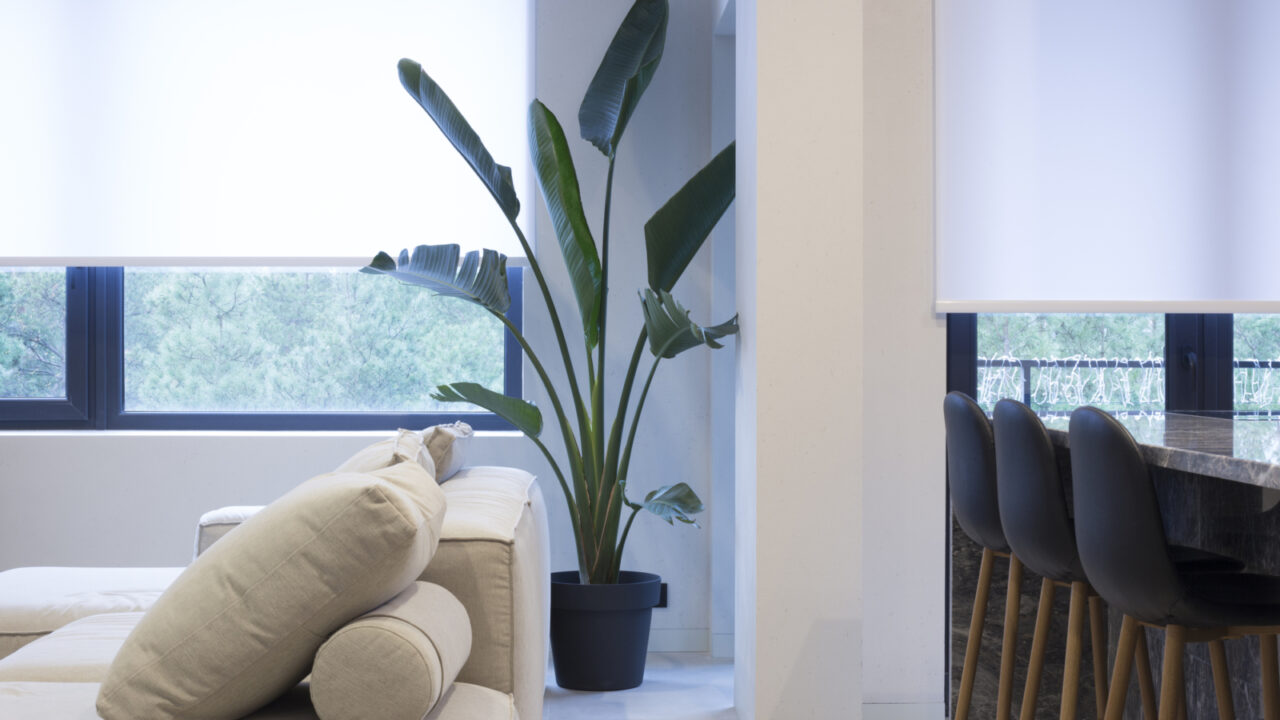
(37, 600)
(448, 446)
(78, 652)
(406, 446)
(394, 662)
(243, 622)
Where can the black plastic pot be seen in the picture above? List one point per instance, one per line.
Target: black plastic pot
(600, 633)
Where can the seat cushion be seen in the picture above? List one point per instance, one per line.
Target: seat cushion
(37, 600)
(80, 651)
(493, 557)
(243, 622)
(74, 701)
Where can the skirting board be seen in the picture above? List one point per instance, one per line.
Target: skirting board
(679, 640)
(904, 711)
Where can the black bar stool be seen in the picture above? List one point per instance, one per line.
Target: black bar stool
(971, 471)
(1122, 546)
(1033, 511)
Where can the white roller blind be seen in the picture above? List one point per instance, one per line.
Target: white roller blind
(251, 131)
(1096, 155)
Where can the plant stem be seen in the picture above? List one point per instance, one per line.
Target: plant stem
(575, 460)
(597, 393)
(635, 421)
(622, 543)
(584, 427)
(573, 507)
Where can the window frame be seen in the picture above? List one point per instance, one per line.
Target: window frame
(95, 377)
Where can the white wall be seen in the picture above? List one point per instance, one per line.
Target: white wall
(904, 527)
(840, 491)
(800, 240)
(133, 498)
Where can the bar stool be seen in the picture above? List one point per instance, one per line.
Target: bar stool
(971, 471)
(1124, 553)
(1033, 511)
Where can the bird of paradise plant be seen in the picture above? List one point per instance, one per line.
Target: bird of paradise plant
(596, 456)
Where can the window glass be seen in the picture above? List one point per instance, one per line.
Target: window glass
(33, 336)
(1256, 374)
(314, 340)
(1058, 362)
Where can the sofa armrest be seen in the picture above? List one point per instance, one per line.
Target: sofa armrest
(216, 523)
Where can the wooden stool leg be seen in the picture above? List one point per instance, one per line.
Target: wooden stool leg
(1270, 683)
(1075, 647)
(1175, 638)
(1038, 645)
(1098, 643)
(1008, 654)
(1221, 680)
(1146, 686)
(975, 635)
(1129, 633)
(1182, 703)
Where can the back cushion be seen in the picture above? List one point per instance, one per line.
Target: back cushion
(241, 625)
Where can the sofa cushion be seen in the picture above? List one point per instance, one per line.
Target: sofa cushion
(493, 557)
(80, 651)
(37, 600)
(394, 662)
(406, 446)
(243, 622)
(448, 445)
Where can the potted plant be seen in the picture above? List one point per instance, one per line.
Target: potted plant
(600, 613)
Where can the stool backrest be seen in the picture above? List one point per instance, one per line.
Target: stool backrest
(971, 470)
(1033, 503)
(1118, 524)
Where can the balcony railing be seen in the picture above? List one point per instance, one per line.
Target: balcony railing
(1059, 385)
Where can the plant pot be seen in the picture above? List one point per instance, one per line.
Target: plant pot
(600, 633)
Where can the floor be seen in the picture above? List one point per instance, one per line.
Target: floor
(677, 686)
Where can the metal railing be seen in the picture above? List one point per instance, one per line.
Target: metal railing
(1150, 388)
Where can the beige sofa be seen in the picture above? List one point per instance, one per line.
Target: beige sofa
(492, 556)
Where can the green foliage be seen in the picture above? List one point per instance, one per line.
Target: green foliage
(297, 341)
(33, 317)
(595, 486)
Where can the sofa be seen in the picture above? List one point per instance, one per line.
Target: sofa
(478, 613)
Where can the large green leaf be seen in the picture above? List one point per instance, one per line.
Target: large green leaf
(455, 127)
(671, 332)
(559, 183)
(674, 502)
(482, 278)
(623, 75)
(523, 414)
(677, 230)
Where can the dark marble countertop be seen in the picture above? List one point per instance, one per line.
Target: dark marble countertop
(1244, 448)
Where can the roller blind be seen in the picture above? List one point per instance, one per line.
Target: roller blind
(251, 132)
(1095, 155)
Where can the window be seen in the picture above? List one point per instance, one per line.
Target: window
(1058, 362)
(244, 348)
(1256, 363)
(33, 341)
(1140, 363)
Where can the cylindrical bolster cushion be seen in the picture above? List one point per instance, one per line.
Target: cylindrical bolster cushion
(394, 662)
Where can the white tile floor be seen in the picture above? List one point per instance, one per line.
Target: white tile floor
(677, 686)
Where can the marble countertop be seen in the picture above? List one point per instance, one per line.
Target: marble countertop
(1243, 448)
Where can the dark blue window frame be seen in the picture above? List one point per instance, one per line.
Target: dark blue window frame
(95, 377)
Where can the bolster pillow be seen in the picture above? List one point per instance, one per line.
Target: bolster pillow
(394, 662)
